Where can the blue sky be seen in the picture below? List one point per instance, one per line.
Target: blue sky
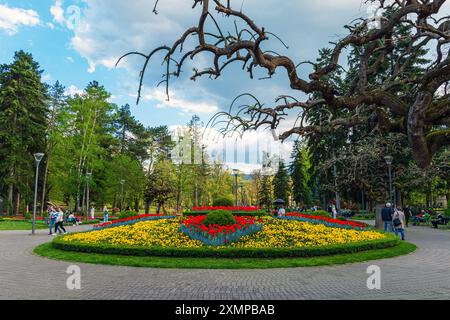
(77, 41)
(108, 28)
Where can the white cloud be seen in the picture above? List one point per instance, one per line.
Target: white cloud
(73, 91)
(57, 12)
(109, 28)
(47, 77)
(50, 25)
(69, 59)
(12, 18)
(188, 106)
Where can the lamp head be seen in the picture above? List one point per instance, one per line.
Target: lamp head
(389, 159)
(235, 171)
(122, 181)
(38, 157)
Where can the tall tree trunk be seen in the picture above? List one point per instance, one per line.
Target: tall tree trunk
(44, 186)
(10, 200)
(84, 210)
(147, 206)
(17, 204)
(399, 197)
(428, 199)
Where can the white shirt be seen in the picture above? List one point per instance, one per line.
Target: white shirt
(281, 212)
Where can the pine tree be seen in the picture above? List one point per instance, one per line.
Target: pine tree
(23, 121)
(281, 183)
(298, 170)
(265, 192)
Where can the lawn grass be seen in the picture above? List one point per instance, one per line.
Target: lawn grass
(20, 225)
(47, 250)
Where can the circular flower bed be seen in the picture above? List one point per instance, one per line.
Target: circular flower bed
(265, 237)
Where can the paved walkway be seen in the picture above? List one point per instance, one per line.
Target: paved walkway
(424, 274)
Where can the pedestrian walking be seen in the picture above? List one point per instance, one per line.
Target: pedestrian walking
(105, 214)
(51, 219)
(386, 215)
(92, 213)
(398, 220)
(407, 212)
(59, 226)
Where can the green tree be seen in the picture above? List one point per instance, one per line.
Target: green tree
(124, 167)
(23, 122)
(90, 142)
(265, 192)
(55, 132)
(299, 172)
(161, 184)
(281, 183)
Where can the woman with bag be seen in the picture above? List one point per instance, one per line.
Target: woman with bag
(398, 221)
(59, 222)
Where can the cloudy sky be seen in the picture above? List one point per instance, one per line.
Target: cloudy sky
(76, 41)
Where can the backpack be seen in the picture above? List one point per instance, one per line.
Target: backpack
(397, 222)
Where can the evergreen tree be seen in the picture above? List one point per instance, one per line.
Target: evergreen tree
(265, 192)
(23, 121)
(281, 183)
(132, 136)
(299, 172)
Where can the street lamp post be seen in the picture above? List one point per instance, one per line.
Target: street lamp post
(122, 182)
(37, 159)
(88, 176)
(337, 198)
(242, 194)
(235, 173)
(389, 160)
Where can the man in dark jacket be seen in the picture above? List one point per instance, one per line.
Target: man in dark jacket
(407, 212)
(386, 215)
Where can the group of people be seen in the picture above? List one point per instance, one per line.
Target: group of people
(395, 219)
(56, 220)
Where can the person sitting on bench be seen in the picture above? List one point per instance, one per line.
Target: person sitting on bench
(440, 220)
(72, 219)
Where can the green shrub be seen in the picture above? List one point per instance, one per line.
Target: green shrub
(28, 216)
(127, 214)
(220, 217)
(342, 218)
(447, 213)
(228, 252)
(223, 202)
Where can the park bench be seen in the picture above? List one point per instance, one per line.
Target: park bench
(441, 221)
(417, 220)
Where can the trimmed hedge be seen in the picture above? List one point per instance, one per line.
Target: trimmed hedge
(220, 217)
(223, 202)
(259, 213)
(229, 252)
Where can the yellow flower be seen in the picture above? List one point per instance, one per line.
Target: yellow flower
(275, 234)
